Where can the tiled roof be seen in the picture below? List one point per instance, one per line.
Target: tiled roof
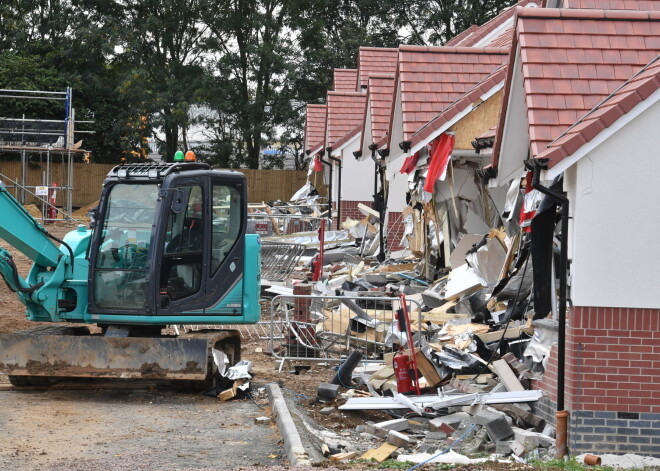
(464, 102)
(379, 99)
(429, 79)
(490, 26)
(345, 112)
(488, 134)
(642, 5)
(456, 40)
(625, 98)
(571, 60)
(375, 60)
(314, 126)
(344, 80)
(503, 40)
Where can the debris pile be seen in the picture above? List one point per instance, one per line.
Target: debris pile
(446, 333)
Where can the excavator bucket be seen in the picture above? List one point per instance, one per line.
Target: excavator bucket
(104, 357)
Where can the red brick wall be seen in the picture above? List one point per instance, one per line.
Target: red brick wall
(620, 360)
(349, 209)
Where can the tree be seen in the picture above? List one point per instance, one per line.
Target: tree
(254, 48)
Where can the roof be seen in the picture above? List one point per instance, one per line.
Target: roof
(375, 60)
(635, 90)
(503, 40)
(463, 103)
(314, 126)
(488, 134)
(344, 80)
(570, 60)
(490, 27)
(429, 79)
(345, 112)
(379, 101)
(642, 5)
(347, 137)
(456, 40)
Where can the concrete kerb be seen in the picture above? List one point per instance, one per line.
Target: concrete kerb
(293, 446)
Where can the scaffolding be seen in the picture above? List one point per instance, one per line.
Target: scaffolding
(47, 139)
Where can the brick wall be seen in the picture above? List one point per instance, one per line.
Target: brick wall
(617, 408)
(349, 209)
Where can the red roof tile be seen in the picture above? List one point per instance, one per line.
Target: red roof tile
(375, 60)
(429, 79)
(630, 94)
(379, 101)
(347, 137)
(345, 112)
(490, 26)
(314, 127)
(461, 104)
(571, 60)
(488, 134)
(642, 5)
(503, 40)
(456, 40)
(344, 80)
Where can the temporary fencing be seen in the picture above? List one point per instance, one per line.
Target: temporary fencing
(327, 328)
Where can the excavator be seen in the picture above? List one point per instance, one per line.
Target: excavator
(167, 246)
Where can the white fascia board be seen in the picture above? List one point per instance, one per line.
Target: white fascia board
(366, 133)
(605, 134)
(495, 33)
(455, 119)
(317, 150)
(337, 152)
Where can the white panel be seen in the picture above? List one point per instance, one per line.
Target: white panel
(396, 200)
(616, 251)
(515, 137)
(357, 175)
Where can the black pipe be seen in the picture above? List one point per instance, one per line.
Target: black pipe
(338, 190)
(383, 205)
(537, 165)
(329, 186)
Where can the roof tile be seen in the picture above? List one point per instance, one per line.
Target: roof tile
(345, 112)
(375, 60)
(436, 77)
(314, 126)
(344, 80)
(595, 52)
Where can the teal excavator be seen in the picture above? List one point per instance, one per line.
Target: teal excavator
(167, 246)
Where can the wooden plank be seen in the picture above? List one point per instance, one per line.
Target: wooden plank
(427, 369)
(342, 456)
(379, 454)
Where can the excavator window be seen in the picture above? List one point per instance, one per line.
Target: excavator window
(121, 270)
(226, 223)
(181, 267)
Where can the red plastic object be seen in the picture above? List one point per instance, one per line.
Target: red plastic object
(317, 264)
(401, 363)
(404, 308)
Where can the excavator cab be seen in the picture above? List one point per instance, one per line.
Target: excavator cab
(170, 244)
(168, 247)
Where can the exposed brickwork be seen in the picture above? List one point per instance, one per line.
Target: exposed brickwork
(619, 378)
(349, 209)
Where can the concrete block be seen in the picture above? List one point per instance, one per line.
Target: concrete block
(518, 449)
(398, 439)
(436, 436)
(533, 439)
(395, 424)
(327, 392)
(503, 447)
(496, 425)
(327, 410)
(549, 431)
(455, 418)
(376, 431)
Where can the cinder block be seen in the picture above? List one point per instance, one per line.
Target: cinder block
(438, 425)
(394, 424)
(398, 439)
(503, 447)
(327, 392)
(518, 449)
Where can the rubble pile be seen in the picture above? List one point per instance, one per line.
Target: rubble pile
(471, 344)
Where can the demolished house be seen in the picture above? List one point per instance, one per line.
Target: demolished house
(506, 153)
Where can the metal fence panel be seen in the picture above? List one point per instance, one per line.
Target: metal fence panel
(327, 328)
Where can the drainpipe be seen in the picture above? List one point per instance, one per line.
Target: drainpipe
(330, 185)
(338, 188)
(562, 416)
(381, 169)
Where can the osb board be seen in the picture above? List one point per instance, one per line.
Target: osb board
(480, 120)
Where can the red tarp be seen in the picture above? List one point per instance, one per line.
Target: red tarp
(441, 149)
